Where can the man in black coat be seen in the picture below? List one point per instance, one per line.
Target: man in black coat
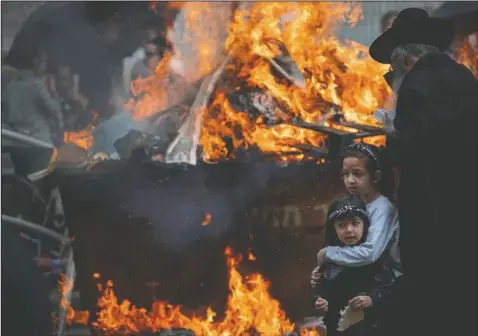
(435, 147)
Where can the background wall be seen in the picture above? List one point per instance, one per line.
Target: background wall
(369, 28)
(14, 13)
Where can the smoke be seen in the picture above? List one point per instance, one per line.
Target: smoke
(176, 207)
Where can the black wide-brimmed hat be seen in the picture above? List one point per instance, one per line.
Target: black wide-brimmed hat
(412, 25)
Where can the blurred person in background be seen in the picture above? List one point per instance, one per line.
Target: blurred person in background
(29, 106)
(154, 51)
(434, 146)
(149, 32)
(64, 86)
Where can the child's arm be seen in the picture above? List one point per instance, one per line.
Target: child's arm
(380, 232)
(320, 298)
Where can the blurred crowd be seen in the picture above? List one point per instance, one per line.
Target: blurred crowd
(42, 96)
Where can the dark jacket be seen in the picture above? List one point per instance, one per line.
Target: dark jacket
(436, 152)
(340, 284)
(25, 293)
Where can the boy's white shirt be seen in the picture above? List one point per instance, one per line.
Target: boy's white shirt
(383, 228)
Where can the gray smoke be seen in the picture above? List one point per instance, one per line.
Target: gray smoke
(176, 207)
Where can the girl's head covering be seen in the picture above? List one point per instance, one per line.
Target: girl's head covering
(377, 160)
(372, 152)
(345, 206)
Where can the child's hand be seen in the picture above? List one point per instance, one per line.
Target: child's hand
(360, 302)
(321, 305)
(315, 277)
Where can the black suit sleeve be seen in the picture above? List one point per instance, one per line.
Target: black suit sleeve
(383, 284)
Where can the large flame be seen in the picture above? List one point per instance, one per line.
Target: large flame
(249, 307)
(338, 74)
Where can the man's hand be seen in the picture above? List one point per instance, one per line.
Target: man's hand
(315, 277)
(360, 302)
(322, 306)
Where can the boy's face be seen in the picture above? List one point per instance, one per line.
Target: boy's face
(349, 229)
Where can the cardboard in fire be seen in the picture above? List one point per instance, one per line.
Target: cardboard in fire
(135, 223)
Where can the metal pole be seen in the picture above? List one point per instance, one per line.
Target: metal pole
(28, 140)
(35, 227)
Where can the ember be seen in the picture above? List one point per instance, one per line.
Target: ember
(249, 307)
(206, 220)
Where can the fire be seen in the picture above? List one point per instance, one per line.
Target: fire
(155, 91)
(338, 75)
(206, 220)
(468, 56)
(249, 307)
(83, 138)
(72, 316)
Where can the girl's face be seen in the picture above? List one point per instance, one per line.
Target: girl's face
(357, 178)
(349, 230)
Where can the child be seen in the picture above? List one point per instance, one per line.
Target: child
(364, 174)
(361, 288)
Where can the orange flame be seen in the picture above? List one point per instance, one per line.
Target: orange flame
(206, 220)
(338, 74)
(249, 306)
(83, 138)
(468, 56)
(72, 316)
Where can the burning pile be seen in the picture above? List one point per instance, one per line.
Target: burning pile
(250, 308)
(263, 39)
(338, 76)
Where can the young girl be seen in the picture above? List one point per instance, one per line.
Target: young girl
(368, 176)
(360, 289)
(365, 175)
